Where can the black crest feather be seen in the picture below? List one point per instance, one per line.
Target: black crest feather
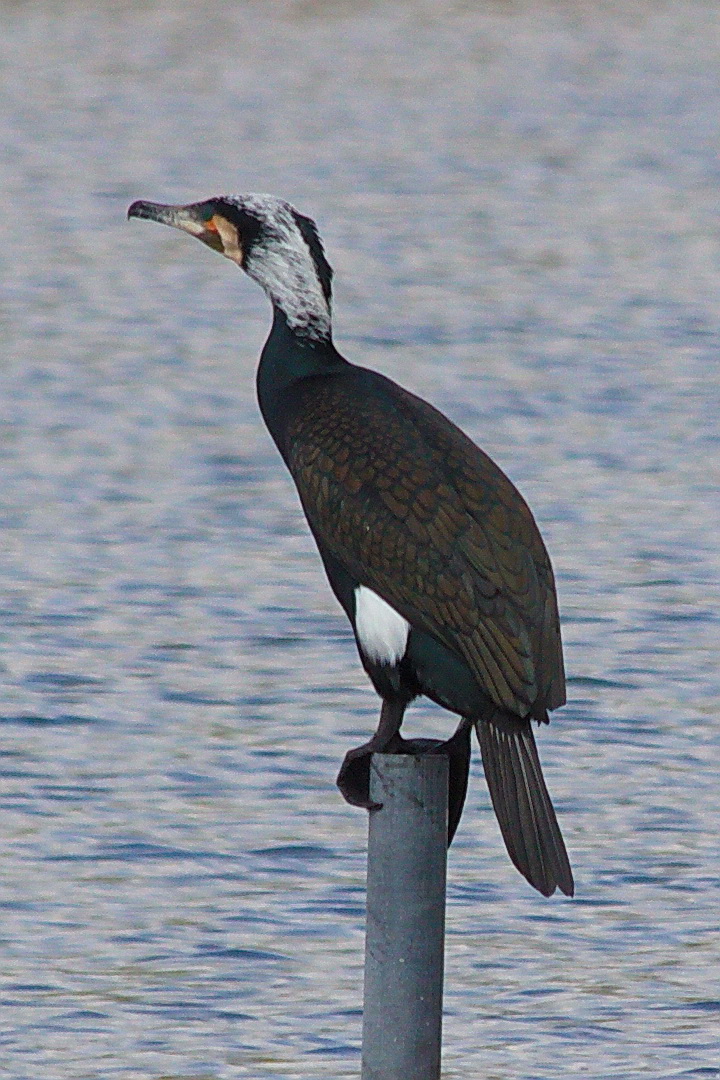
(310, 235)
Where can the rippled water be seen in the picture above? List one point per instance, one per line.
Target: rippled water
(521, 206)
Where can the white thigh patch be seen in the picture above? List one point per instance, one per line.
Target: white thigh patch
(381, 632)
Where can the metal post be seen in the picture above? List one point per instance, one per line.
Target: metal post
(405, 933)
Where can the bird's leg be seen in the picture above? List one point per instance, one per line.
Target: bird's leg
(354, 776)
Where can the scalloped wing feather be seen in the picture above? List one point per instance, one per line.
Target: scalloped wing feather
(424, 518)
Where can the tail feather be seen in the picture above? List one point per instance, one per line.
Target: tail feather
(522, 804)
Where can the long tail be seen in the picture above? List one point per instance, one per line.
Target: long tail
(522, 804)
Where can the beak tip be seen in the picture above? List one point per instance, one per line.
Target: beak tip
(138, 209)
(186, 218)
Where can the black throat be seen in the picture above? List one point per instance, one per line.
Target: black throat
(288, 359)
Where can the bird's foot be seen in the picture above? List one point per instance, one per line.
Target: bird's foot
(354, 776)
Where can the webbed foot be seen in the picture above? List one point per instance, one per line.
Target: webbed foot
(354, 776)
(457, 751)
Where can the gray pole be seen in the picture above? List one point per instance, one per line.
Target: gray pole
(405, 934)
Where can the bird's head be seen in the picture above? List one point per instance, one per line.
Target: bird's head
(271, 241)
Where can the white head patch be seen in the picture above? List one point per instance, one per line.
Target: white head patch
(281, 263)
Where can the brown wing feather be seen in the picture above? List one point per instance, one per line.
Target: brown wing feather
(511, 533)
(421, 516)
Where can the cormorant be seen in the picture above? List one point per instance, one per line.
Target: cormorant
(428, 546)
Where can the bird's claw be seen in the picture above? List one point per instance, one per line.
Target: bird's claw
(354, 778)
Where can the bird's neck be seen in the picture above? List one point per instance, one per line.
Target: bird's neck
(290, 278)
(287, 359)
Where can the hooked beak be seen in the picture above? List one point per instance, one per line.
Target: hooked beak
(196, 219)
